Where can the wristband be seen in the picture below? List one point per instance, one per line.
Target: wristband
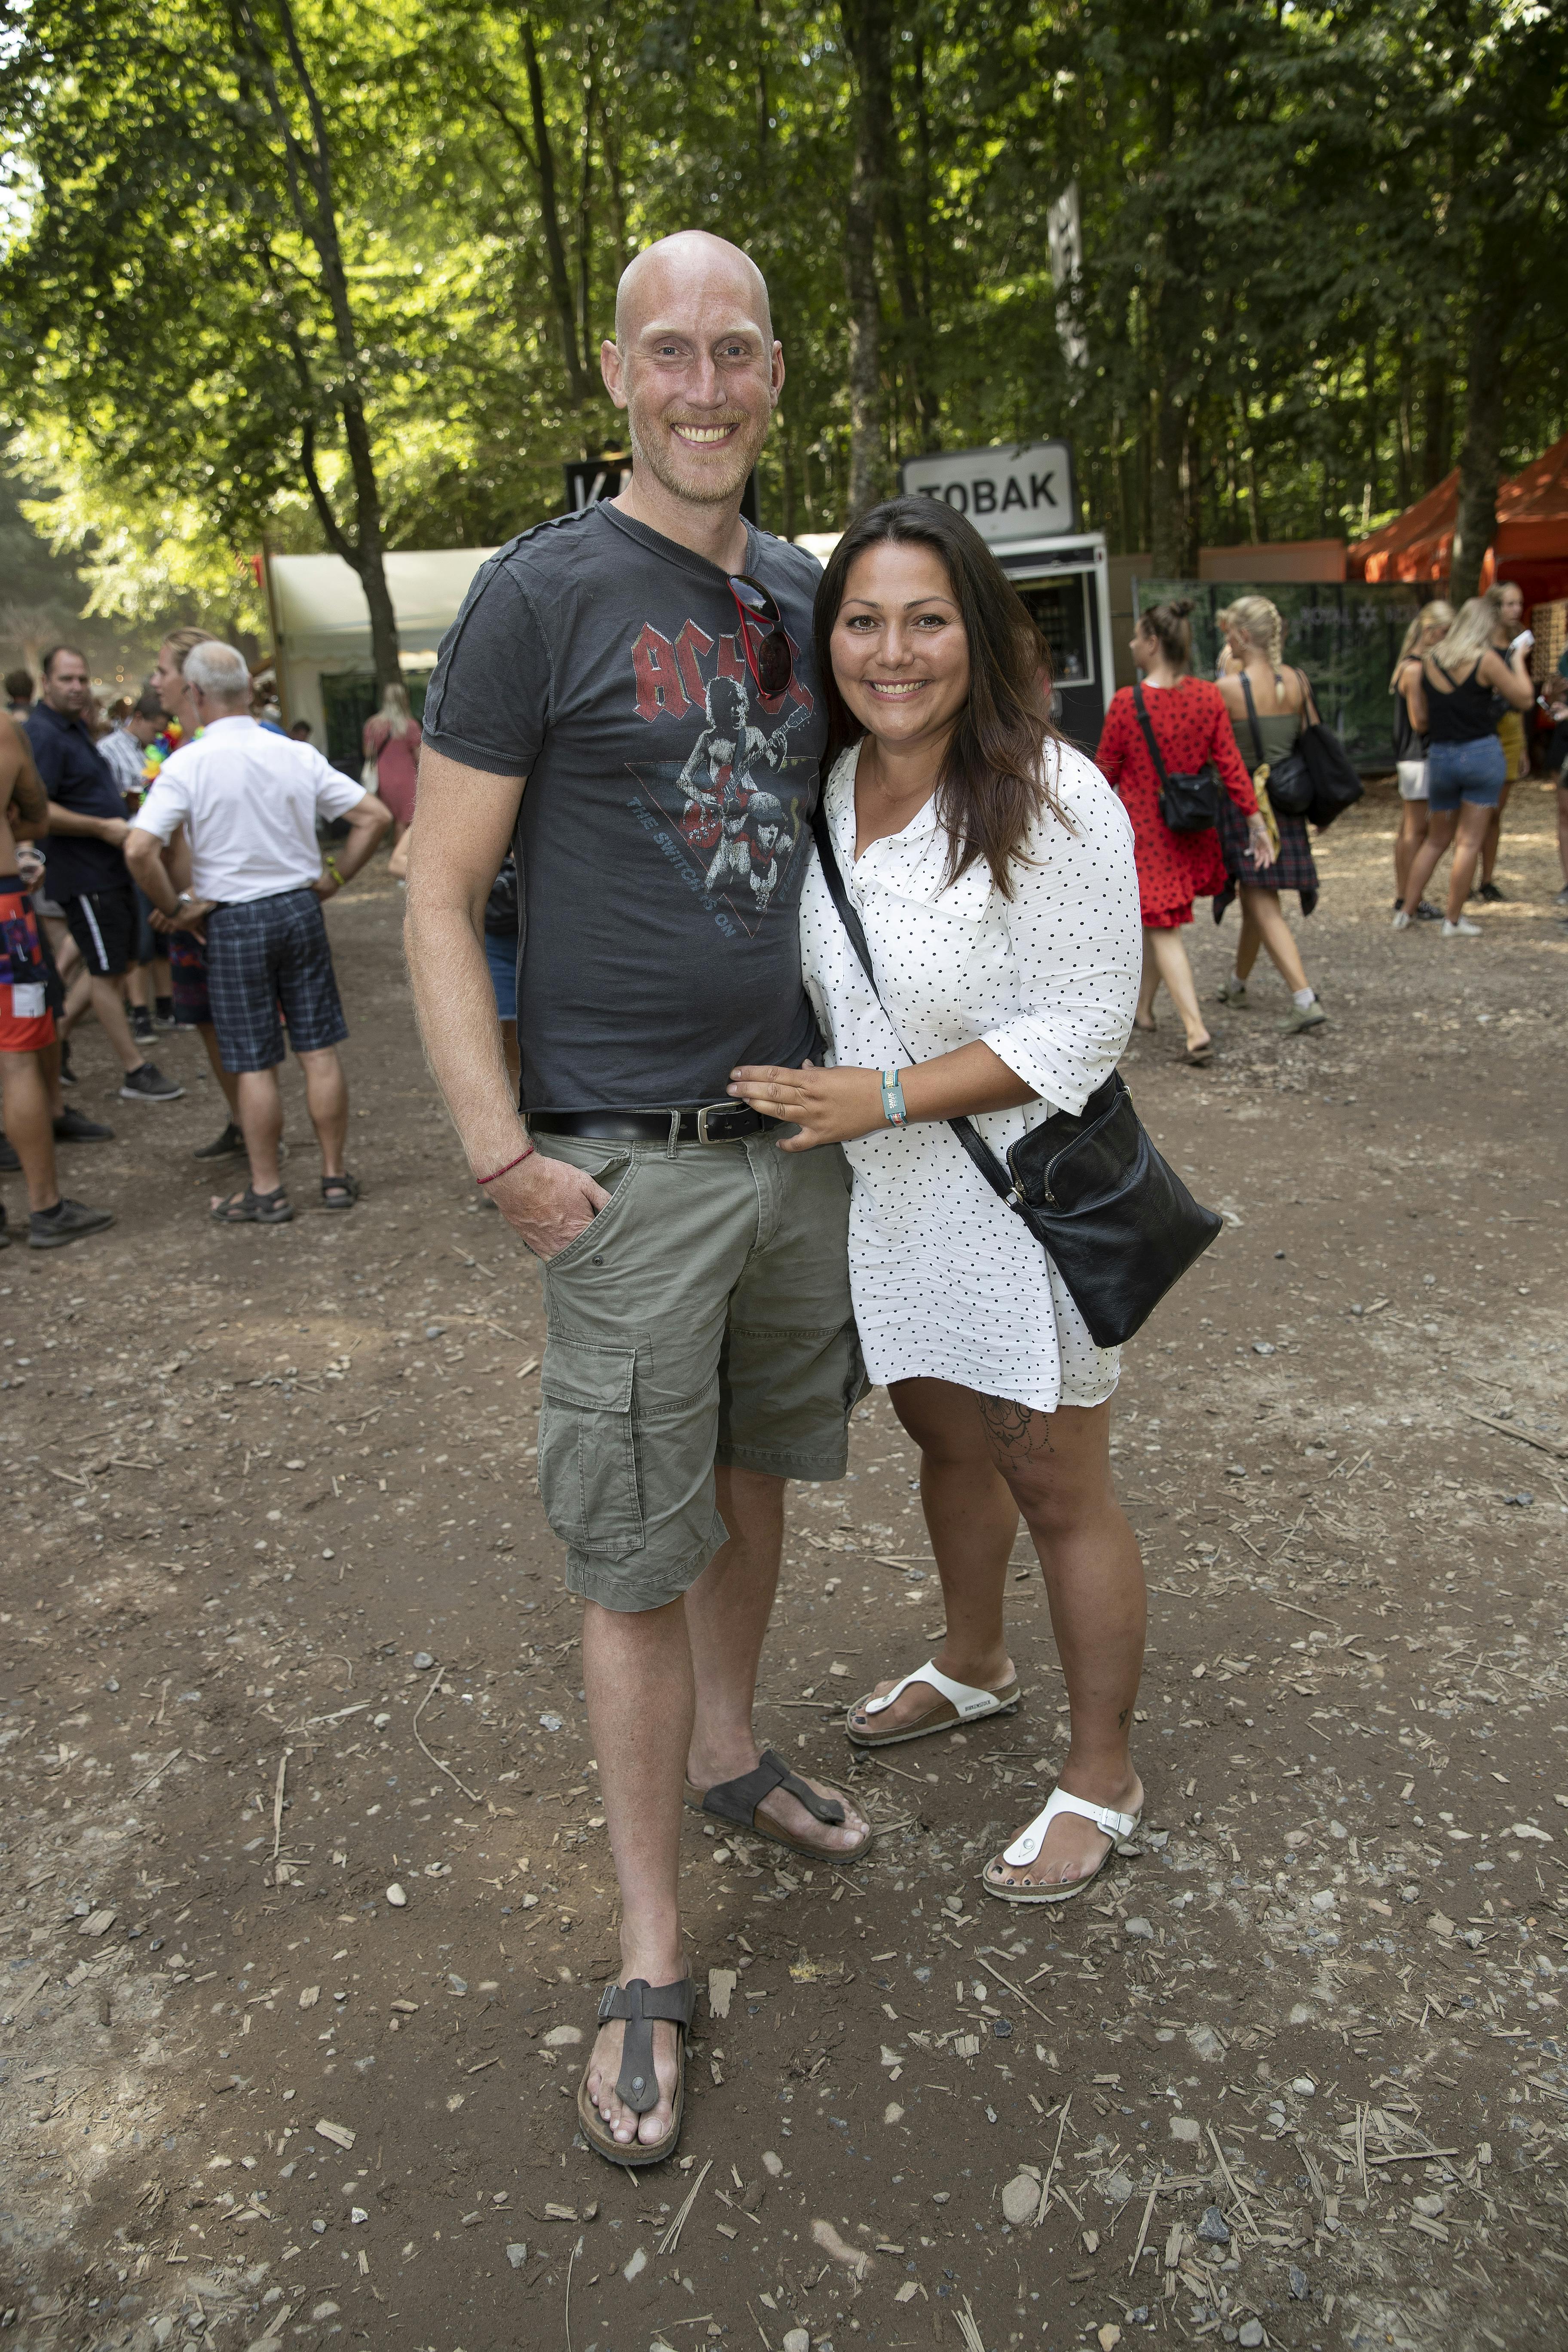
(893, 1109)
(526, 1153)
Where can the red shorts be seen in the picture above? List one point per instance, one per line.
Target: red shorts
(26, 1025)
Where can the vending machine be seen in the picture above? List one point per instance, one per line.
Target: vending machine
(1022, 501)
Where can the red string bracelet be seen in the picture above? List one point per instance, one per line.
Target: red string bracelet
(526, 1153)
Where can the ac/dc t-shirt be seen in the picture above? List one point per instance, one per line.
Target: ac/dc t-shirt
(665, 828)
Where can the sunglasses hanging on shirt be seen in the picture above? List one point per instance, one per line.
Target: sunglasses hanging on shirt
(767, 648)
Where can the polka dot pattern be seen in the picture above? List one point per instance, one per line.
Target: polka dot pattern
(948, 1283)
(1190, 724)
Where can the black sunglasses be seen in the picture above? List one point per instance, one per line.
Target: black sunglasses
(769, 658)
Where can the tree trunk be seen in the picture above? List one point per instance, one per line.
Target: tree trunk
(1486, 399)
(865, 26)
(309, 166)
(543, 162)
(1170, 528)
(1434, 431)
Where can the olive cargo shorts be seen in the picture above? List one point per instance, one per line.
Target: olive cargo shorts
(702, 1317)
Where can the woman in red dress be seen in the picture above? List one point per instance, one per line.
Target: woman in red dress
(1191, 725)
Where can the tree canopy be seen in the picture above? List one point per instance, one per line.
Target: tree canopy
(337, 274)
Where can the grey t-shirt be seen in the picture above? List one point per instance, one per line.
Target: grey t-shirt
(664, 829)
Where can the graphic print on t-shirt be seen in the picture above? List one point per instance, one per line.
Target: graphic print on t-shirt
(731, 817)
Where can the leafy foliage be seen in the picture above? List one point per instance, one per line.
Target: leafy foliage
(1320, 253)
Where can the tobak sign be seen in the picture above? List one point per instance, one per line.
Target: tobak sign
(1019, 491)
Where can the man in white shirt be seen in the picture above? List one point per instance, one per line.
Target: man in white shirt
(249, 801)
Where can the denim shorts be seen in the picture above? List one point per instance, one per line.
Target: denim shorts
(1464, 771)
(703, 1316)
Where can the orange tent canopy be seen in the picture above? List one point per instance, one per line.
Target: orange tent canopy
(1532, 526)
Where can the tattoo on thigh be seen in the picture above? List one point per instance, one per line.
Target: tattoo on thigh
(1015, 1432)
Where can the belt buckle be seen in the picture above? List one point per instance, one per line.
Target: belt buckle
(707, 1111)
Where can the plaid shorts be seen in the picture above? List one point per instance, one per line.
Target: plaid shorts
(267, 953)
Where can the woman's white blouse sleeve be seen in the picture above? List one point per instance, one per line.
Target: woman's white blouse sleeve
(1075, 943)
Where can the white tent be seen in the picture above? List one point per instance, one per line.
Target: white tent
(321, 621)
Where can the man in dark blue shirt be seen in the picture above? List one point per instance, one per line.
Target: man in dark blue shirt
(85, 867)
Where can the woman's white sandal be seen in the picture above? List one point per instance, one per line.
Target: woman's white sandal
(1025, 1848)
(969, 1705)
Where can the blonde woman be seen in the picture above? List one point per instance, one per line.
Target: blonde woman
(1410, 749)
(1454, 703)
(1264, 731)
(392, 740)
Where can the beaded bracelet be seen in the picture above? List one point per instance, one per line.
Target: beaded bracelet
(527, 1153)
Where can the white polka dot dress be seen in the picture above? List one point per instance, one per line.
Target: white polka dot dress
(949, 1284)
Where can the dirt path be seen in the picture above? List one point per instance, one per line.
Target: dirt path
(282, 1629)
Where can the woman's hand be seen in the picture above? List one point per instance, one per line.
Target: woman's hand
(1260, 848)
(828, 1106)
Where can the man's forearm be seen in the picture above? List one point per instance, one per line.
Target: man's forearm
(365, 832)
(148, 870)
(65, 820)
(455, 1005)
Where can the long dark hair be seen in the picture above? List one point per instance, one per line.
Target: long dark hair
(993, 782)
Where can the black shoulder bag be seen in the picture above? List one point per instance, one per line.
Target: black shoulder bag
(1334, 781)
(1188, 804)
(1285, 780)
(1118, 1222)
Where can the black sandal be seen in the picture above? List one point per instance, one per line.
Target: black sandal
(637, 2085)
(253, 1208)
(338, 1192)
(738, 1800)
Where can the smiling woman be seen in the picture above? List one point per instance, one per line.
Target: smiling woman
(990, 869)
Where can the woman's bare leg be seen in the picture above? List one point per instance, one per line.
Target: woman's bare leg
(1441, 827)
(1468, 846)
(1250, 942)
(1263, 908)
(1148, 986)
(1414, 821)
(1058, 1468)
(972, 1519)
(1170, 961)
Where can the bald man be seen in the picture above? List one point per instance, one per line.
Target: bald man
(644, 666)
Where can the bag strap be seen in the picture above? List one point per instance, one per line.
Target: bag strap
(1309, 716)
(1252, 722)
(968, 1134)
(1138, 706)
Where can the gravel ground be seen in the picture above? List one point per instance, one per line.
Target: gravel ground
(282, 1632)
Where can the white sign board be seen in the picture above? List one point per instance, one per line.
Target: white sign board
(1024, 491)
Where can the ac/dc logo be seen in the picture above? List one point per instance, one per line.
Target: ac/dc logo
(670, 680)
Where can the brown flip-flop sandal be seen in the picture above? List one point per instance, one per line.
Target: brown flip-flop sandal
(637, 2085)
(738, 1800)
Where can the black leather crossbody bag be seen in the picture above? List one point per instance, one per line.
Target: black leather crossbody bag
(1116, 1220)
(1188, 804)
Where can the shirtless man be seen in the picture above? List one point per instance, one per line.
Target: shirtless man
(30, 1057)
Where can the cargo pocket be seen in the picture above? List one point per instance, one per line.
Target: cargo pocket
(587, 1454)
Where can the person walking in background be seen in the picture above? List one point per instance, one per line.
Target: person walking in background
(30, 1055)
(1410, 750)
(392, 741)
(84, 860)
(125, 749)
(1454, 703)
(994, 874)
(1505, 598)
(18, 692)
(1191, 727)
(250, 801)
(1265, 731)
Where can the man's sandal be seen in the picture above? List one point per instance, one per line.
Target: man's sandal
(1026, 1847)
(637, 2085)
(955, 1703)
(253, 1208)
(338, 1192)
(739, 1802)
